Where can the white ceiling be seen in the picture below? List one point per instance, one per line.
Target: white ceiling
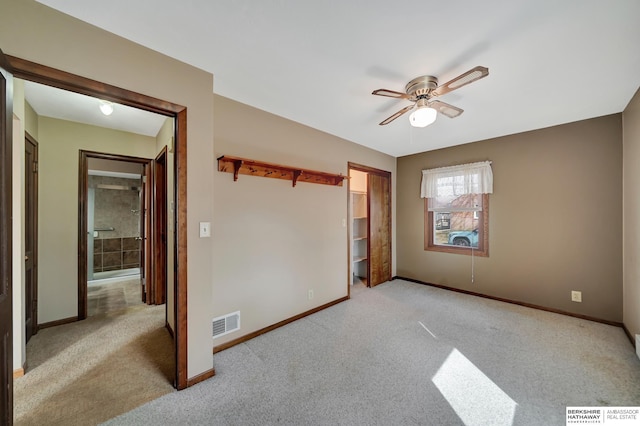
(316, 62)
(49, 101)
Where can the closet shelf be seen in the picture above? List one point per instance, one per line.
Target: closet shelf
(359, 259)
(244, 166)
(359, 238)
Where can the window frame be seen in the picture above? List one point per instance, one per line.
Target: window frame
(483, 233)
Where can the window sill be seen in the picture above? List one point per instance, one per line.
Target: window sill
(458, 250)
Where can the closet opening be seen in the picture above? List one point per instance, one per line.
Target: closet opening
(359, 227)
(369, 209)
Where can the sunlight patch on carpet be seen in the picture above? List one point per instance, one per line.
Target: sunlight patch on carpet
(472, 395)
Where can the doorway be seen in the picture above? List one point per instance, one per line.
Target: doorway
(359, 227)
(56, 78)
(116, 219)
(370, 225)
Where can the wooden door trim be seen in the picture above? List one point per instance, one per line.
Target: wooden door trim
(147, 254)
(180, 252)
(50, 76)
(43, 74)
(368, 169)
(6, 250)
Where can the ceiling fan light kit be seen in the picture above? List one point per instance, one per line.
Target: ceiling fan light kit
(422, 115)
(422, 90)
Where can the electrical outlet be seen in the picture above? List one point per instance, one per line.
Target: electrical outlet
(576, 296)
(310, 294)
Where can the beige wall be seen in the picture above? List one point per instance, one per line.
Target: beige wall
(631, 215)
(34, 32)
(58, 145)
(31, 120)
(18, 226)
(555, 219)
(273, 242)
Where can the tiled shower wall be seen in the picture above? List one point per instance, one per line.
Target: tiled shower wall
(118, 209)
(111, 254)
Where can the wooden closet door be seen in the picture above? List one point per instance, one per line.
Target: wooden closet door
(379, 192)
(31, 236)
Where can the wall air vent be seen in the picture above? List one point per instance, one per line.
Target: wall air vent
(226, 324)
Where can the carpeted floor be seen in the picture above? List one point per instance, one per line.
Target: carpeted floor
(407, 354)
(90, 371)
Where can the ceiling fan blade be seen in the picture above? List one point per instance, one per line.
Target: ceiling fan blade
(390, 93)
(462, 80)
(396, 115)
(446, 109)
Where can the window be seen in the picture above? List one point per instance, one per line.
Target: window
(457, 208)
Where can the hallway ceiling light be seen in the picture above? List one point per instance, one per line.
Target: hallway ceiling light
(106, 107)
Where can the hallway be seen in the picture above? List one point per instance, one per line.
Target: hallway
(98, 368)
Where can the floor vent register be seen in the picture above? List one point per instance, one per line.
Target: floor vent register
(226, 324)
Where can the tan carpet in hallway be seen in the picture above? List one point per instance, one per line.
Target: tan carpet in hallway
(90, 371)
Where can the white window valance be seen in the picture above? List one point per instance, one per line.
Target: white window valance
(472, 178)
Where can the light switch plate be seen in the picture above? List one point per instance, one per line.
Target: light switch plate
(205, 229)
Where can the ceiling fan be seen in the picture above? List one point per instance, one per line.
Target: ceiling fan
(422, 90)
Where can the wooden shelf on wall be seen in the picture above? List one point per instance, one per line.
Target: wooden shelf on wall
(244, 166)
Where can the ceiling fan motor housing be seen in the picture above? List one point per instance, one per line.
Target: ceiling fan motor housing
(421, 86)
